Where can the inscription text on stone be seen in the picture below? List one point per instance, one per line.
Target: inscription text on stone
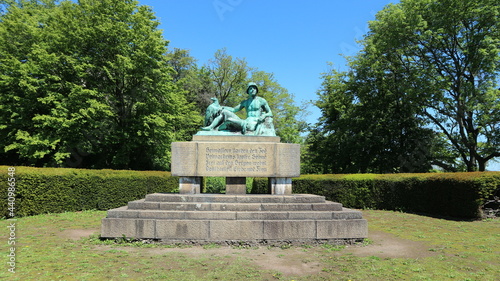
(236, 159)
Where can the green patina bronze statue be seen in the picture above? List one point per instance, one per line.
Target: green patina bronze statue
(222, 120)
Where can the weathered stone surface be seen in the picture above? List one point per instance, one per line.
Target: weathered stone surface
(236, 159)
(280, 186)
(342, 229)
(231, 198)
(262, 215)
(236, 207)
(137, 228)
(236, 185)
(289, 229)
(328, 206)
(287, 160)
(184, 156)
(122, 212)
(189, 185)
(314, 215)
(347, 214)
(182, 229)
(236, 230)
(303, 198)
(226, 158)
(273, 207)
(141, 204)
(219, 217)
(212, 215)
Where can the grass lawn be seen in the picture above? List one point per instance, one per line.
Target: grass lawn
(401, 247)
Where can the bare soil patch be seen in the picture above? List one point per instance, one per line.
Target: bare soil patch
(77, 234)
(386, 245)
(290, 261)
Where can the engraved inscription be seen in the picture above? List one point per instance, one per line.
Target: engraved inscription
(236, 159)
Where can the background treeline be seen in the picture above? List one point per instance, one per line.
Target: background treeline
(53, 190)
(423, 92)
(461, 195)
(93, 84)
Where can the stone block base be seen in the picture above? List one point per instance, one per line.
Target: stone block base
(236, 185)
(189, 185)
(218, 217)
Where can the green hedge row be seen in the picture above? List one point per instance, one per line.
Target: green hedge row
(445, 194)
(54, 190)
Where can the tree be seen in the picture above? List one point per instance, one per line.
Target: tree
(228, 75)
(288, 117)
(366, 126)
(428, 72)
(196, 81)
(448, 55)
(87, 84)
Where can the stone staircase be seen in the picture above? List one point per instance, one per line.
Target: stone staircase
(172, 217)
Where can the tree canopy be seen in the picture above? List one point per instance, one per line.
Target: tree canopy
(87, 84)
(92, 84)
(423, 90)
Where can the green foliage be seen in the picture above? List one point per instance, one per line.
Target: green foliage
(288, 117)
(87, 84)
(214, 184)
(428, 72)
(55, 190)
(226, 78)
(443, 194)
(91, 84)
(448, 57)
(364, 129)
(218, 184)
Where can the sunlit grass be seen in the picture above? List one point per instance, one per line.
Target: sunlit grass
(462, 250)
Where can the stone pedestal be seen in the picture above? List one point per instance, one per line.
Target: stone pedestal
(280, 186)
(261, 218)
(236, 185)
(235, 216)
(189, 185)
(236, 157)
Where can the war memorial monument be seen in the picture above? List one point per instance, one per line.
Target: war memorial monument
(235, 148)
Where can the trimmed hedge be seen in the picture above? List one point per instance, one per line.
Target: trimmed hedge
(55, 190)
(445, 194)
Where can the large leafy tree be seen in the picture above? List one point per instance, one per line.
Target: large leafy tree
(196, 81)
(448, 55)
(426, 65)
(228, 75)
(87, 84)
(366, 126)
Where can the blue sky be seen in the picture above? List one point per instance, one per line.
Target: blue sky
(294, 40)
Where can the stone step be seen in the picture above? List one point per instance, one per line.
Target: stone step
(202, 206)
(235, 230)
(228, 198)
(125, 212)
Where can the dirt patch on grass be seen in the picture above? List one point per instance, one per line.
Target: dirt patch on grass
(386, 245)
(294, 261)
(77, 234)
(289, 261)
